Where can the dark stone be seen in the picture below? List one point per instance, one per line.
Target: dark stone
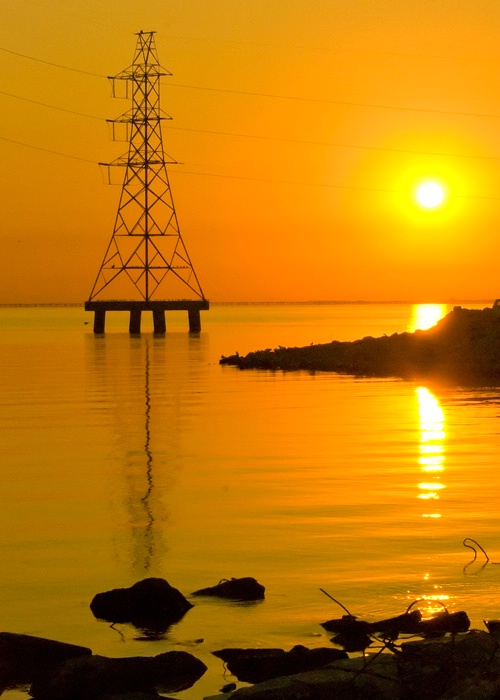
(246, 588)
(235, 653)
(341, 680)
(134, 695)
(463, 666)
(228, 688)
(347, 624)
(258, 665)
(443, 667)
(354, 635)
(493, 627)
(91, 677)
(444, 622)
(463, 347)
(152, 604)
(354, 641)
(23, 657)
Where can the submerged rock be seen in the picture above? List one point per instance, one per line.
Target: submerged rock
(246, 588)
(257, 665)
(151, 603)
(357, 635)
(462, 346)
(465, 666)
(91, 677)
(135, 695)
(339, 680)
(24, 657)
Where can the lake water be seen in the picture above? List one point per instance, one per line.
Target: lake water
(126, 457)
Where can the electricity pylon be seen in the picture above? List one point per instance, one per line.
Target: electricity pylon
(146, 259)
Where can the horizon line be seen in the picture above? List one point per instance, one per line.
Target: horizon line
(325, 302)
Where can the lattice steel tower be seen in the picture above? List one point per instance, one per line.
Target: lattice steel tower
(146, 266)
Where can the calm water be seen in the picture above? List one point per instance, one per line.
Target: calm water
(131, 457)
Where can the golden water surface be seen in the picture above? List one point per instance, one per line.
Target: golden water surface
(126, 457)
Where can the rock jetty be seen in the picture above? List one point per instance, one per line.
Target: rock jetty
(448, 662)
(462, 347)
(259, 665)
(54, 670)
(24, 657)
(458, 667)
(100, 677)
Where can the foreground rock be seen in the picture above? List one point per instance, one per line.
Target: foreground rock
(257, 665)
(353, 634)
(462, 667)
(246, 588)
(152, 604)
(463, 346)
(93, 677)
(24, 658)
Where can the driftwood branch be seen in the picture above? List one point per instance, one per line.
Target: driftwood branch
(472, 544)
(354, 634)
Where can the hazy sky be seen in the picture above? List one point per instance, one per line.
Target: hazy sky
(301, 128)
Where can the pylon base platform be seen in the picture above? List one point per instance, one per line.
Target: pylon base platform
(158, 308)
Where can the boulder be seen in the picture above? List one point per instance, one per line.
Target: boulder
(137, 695)
(357, 635)
(469, 650)
(462, 347)
(24, 657)
(92, 677)
(444, 667)
(341, 680)
(454, 666)
(390, 627)
(151, 603)
(246, 588)
(257, 665)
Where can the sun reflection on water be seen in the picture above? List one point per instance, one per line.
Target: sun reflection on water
(433, 603)
(431, 448)
(425, 316)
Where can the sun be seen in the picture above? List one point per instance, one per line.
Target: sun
(430, 194)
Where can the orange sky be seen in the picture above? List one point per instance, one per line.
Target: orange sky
(300, 128)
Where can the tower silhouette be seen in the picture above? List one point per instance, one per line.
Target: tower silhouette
(146, 266)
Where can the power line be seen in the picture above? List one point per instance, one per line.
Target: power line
(278, 97)
(334, 50)
(43, 104)
(335, 145)
(49, 63)
(244, 177)
(267, 95)
(416, 55)
(287, 182)
(250, 136)
(340, 102)
(47, 150)
(270, 138)
(316, 184)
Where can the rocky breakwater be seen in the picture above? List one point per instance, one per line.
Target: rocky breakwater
(452, 667)
(54, 670)
(463, 347)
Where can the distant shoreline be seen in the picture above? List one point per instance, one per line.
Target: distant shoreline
(333, 302)
(462, 346)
